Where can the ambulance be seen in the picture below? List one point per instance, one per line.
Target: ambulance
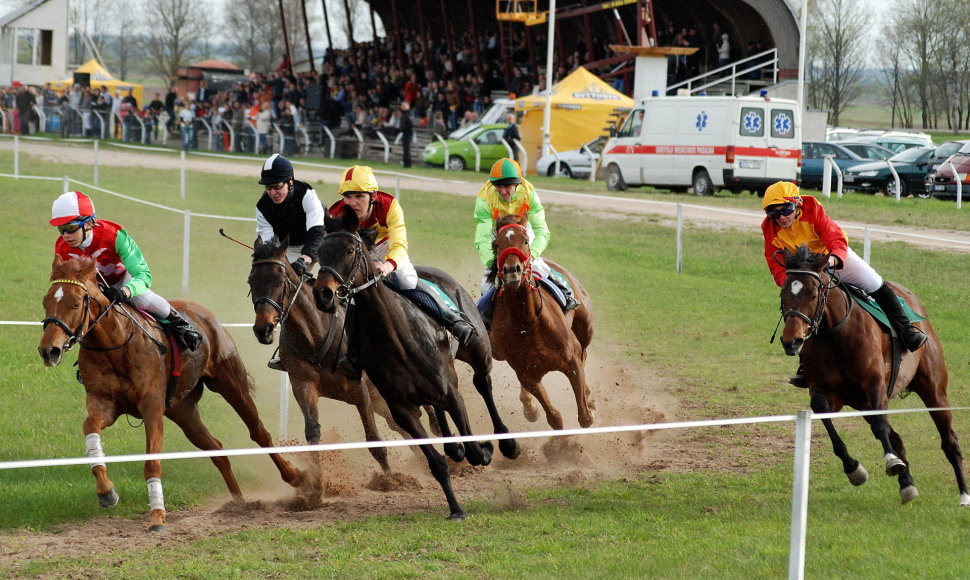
(706, 143)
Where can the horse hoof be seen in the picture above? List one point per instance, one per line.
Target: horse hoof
(908, 493)
(965, 499)
(157, 528)
(109, 499)
(510, 448)
(894, 465)
(456, 516)
(531, 413)
(859, 476)
(455, 451)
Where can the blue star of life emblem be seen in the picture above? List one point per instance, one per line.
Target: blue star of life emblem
(782, 123)
(701, 123)
(752, 122)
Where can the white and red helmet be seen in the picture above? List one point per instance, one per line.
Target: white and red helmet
(71, 206)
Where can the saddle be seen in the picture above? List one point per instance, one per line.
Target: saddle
(868, 303)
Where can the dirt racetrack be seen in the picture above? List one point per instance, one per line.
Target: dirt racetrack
(624, 396)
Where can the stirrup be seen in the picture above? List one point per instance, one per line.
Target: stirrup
(349, 368)
(798, 381)
(463, 332)
(913, 338)
(276, 364)
(571, 304)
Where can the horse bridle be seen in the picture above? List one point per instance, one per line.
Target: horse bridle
(815, 321)
(345, 289)
(77, 335)
(282, 307)
(512, 251)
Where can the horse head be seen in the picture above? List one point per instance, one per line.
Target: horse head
(67, 306)
(513, 256)
(803, 296)
(272, 285)
(345, 264)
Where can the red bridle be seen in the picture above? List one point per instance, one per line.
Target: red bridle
(514, 251)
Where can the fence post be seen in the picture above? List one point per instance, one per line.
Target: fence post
(96, 172)
(827, 176)
(680, 238)
(186, 244)
(67, 184)
(182, 173)
(799, 503)
(397, 188)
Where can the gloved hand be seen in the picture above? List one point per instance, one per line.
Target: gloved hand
(299, 266)
(115, 294)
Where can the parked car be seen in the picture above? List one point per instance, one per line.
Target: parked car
(896, 143)
(495, 114)
(461, 154)
(576, 163)
(840, 133)
(876, 176)
(942, 184)
(868, 150)
(813, 153)
(945, 150)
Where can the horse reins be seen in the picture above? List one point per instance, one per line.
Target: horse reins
(518, 253)
(344, 289)
(814, 323)
(283, 308)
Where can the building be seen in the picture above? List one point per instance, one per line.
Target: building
(33, 43)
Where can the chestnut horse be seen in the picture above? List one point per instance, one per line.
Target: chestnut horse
(409, 356)
(125, 364)
(530, 331)
(311, 341)
(848, 358)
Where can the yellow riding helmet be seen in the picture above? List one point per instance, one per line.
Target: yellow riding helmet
(781, 193)
(358, 179)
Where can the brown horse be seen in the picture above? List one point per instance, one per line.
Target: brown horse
(530, 331)
(409, 357)
(125, 362)
(848, 359)
(311, 341)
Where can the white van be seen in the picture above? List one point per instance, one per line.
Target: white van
(707, 143)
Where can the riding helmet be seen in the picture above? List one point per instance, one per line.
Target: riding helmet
(71, 206)
(781, 193)
(505, 171)
(358, 179)
(276, 169)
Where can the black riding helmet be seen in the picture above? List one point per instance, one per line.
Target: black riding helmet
(276, 169)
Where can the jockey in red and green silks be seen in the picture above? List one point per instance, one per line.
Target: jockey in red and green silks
(507, 193)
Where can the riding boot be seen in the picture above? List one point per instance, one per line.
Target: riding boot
(567, 291)
(348, 363)
(798, 379)
(460, 328)
(184, 330)
(912, 337)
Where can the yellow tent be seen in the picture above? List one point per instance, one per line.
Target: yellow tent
(102, 78)
(583, 107)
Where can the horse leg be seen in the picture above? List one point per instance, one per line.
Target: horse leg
(101, 413)
(307, 398)
(370, 432)
(154, 435)
(229, 381)
(477, 453)
(534, 387)
(950, 445)
(576, 374)
(187, 417)
(407, 419)
(880, 428)
(453, 450)
(529, 407)
(907, 489)
(483, 384)
(854, 470)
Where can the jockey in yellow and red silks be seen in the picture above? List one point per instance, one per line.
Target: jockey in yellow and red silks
(507, 193)
(380, 210)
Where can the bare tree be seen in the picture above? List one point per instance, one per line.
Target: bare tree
(916, 27)
(172, 31)
(950, 59)
(837, 54)
(255, 34)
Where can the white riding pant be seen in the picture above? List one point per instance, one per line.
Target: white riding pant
(148, 300)
(294, 252)
(405, 277)
(857, 272)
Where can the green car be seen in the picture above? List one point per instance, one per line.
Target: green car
(460, 152)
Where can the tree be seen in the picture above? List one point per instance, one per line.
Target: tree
(172, 31)
(836, 54)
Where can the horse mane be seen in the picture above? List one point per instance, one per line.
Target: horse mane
(348, 222)
(80, 268)
(804, 259)
(266, 250)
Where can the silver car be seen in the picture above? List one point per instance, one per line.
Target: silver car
(577, 163)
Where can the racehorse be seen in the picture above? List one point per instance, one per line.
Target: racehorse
(848, 360)
(125, 364)
(530, 331)
(311, 341)
(409, 357)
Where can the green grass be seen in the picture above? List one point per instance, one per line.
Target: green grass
(705, 330)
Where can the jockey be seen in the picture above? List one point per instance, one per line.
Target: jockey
(120, 263)
(289, 210)
(507, 193)
(377, 209)
(793, 220)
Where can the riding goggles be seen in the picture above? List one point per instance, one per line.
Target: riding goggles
(70, 228)
(781, 210)
(276, 186)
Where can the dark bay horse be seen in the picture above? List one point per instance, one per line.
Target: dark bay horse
(530, 331)
(125, 363)
(311, 341)
(409, 357)
(847, 358)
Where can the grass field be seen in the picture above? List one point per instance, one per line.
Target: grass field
(705, 331)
